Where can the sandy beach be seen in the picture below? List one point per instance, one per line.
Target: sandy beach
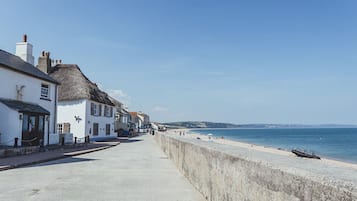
(187, 133)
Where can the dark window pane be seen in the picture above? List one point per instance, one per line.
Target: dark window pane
(25, 122)
(41, 123)
(32, 123)
(92, 108)
(95, 129)
(107, 129)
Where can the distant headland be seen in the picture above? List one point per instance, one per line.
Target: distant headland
(206, 124)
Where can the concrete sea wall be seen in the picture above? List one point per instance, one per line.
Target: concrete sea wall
(227, 173)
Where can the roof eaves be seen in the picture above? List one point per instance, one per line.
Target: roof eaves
(29, 74)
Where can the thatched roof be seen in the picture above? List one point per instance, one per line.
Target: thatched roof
(75, 85)
(116, 102)
(15, 63)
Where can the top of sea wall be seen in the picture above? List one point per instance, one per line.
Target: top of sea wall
(315, 169)
(322, 173)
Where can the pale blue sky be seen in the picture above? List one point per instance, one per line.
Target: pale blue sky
(267, 61)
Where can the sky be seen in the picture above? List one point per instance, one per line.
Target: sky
(239, 61)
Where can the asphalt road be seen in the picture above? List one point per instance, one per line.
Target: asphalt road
(136, 170)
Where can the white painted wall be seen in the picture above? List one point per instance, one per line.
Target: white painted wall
(10, 125)
(24, 51)
(54, 138)
(101, 120)
(31, 93)
(66, 112)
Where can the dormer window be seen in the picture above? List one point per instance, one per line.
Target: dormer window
(45, 91)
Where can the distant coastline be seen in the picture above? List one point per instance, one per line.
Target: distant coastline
(215, 125)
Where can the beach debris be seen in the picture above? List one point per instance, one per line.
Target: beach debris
(198, 138)
(305, 154)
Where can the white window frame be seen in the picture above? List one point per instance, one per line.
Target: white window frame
(96, 109)
(59, 128)
(45, 91)
(108, 111)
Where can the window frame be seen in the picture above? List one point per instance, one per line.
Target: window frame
(45, 91)
(59, 128)
(95, 131)
(108, 111)
(107, 129)
(95, 109)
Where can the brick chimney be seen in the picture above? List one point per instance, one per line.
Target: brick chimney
(24, 50)
(44, 62)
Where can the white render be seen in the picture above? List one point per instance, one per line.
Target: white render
(31, 93)
(68, 110)
(24, 51)
(10, 126)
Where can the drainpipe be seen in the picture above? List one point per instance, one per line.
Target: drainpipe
(48, 129)
(54, 117)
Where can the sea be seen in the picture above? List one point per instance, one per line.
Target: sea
(332, 143)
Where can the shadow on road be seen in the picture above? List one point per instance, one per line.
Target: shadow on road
(129, 140)
(62, 161)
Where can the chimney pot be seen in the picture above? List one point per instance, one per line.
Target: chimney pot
(24, 39)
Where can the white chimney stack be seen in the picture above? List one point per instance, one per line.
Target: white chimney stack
(24, 50)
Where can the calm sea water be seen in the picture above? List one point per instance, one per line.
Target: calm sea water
(333, 143)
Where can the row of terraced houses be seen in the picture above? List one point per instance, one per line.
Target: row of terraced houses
(52, 101)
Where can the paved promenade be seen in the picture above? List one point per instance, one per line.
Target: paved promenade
(136, 170)
(40, 157)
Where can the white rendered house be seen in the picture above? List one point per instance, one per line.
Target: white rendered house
(138, 120)
(28, 99)
(122, 124)
(83, 109)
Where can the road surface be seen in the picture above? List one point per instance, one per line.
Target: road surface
(136, 170)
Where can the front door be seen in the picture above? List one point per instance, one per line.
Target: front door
(32, 129)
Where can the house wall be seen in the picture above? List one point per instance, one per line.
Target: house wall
(122, 120)
(31, 93)
(101, 120)
(10, 125)
(67, 110)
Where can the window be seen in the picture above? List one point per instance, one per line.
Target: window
(45, 91)
(107, 129)
(125, 119)
(92, 108)
(25, 122)
(95, 109)
(108, 111)
(63, 128)
(41, 126)
(59, 128)
(95, 129)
